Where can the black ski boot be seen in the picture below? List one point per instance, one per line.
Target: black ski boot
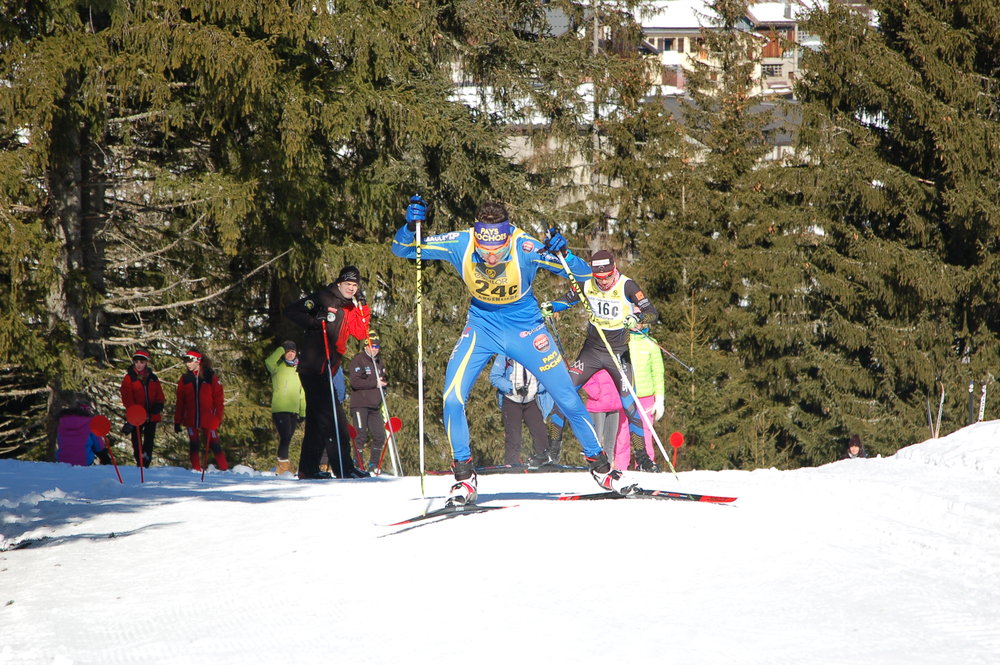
(465, 490)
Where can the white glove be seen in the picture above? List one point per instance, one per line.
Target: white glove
(658, 407)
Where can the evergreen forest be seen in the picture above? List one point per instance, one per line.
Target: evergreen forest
(174, 173)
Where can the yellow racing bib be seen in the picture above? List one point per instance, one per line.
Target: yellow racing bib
(609, 307)
(495, 285)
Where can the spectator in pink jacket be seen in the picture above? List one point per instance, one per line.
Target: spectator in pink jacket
(604, 403)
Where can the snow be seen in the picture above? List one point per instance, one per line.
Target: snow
(864, 562)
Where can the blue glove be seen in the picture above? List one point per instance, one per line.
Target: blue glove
(415, 212)
(556, 243)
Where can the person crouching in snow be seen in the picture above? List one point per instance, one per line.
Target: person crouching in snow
(76, 444)
(199, 408)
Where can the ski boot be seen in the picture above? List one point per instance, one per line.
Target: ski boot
(608, 478)
(464, 491)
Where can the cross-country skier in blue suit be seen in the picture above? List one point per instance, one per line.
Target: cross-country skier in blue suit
(498, 262)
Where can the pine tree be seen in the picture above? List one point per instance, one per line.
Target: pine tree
(730, 245)
(175, 174)
(900, 129)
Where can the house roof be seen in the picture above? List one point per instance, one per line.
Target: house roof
(676, 14)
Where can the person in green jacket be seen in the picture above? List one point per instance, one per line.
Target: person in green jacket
(288, 399)
(647, 371)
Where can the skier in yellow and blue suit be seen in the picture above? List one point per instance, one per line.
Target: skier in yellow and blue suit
(498, 262)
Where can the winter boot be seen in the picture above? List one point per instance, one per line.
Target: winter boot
(355, 472)
(220, 461)
(644, 463)
(464, 491)
(319, 475)
(284, 466)
(538, 459)
(608, 478)
(195, 461)
(548, 456)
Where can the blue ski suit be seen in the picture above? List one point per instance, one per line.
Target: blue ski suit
(503, 318)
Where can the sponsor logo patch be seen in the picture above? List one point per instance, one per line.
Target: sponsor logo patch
(541, 343)
(444, 237)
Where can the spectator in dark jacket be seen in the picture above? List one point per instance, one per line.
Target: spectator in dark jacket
(328, 316)
(140, 386)
(366, 374)
(855, 448)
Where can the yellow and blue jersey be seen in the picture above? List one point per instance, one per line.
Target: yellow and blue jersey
(503, 318)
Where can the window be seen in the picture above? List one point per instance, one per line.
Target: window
(771, 70)
(680, 44)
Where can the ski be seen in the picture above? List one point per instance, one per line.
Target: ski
(651, 494)
(447, 512)
(524, 468)
(495, 469)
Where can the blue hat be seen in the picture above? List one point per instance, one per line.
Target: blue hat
(491, 236)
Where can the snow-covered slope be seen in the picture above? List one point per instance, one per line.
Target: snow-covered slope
(863, 562)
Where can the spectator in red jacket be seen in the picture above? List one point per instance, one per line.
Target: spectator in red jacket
(141, 386)
(199, 408)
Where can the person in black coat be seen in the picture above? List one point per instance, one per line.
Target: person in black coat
(333, 309)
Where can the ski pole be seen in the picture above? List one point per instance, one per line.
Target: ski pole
(670, 355)
(420, 357)
(982, 401)
(333, 399)
(100, 427)
(555, 335)
(135, 416)
(392, 425)
(397, 464)
(197, 422)
(352, 432)
(607, 345)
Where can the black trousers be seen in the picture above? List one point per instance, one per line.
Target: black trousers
(148, 433)
(369, 424)
(321, 433)
(591, 360)
(285, 423)
(514, 413)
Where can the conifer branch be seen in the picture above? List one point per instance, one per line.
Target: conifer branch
(195, 301)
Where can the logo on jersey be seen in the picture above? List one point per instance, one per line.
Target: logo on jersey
(528, 246)
(541, 343)
(550, 361)
(497, 273)
(444, 237)
(525, 333)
